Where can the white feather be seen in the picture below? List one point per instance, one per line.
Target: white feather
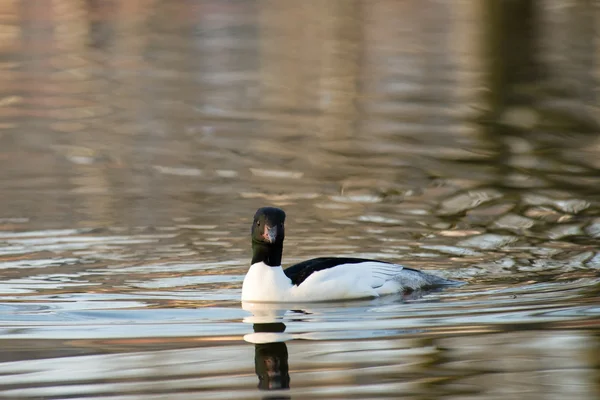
(345, 281)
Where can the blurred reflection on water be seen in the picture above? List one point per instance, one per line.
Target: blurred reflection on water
(138, 137)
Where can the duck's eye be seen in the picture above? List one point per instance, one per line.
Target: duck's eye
(257, 223)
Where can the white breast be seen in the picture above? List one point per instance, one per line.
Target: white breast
(266, 284)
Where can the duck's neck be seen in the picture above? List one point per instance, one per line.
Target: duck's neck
(269, 254)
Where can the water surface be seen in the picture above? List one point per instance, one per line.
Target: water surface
(138, 138)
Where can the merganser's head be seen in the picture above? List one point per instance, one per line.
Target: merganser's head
(268, 226)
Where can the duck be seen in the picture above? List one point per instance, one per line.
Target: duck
(324, 278)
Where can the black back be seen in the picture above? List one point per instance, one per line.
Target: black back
(299, 272)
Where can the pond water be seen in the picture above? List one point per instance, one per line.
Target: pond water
(138, 138)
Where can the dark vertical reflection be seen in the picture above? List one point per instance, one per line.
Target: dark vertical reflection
(570, 47)
(512, 49)
(271, 359)
(531, 107)
(510, 52)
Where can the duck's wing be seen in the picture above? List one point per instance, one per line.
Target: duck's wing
(380, 271)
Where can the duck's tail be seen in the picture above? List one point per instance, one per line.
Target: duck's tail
(415, 279)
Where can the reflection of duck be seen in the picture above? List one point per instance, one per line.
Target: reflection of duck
(320, 279)
(270, 350)
(271, 360)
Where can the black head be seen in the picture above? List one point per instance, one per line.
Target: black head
(268, 226)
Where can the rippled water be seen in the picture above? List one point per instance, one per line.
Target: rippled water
(138, 138)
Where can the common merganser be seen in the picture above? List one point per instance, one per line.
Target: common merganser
(323, 278)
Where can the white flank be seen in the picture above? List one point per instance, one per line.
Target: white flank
(345, 281)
